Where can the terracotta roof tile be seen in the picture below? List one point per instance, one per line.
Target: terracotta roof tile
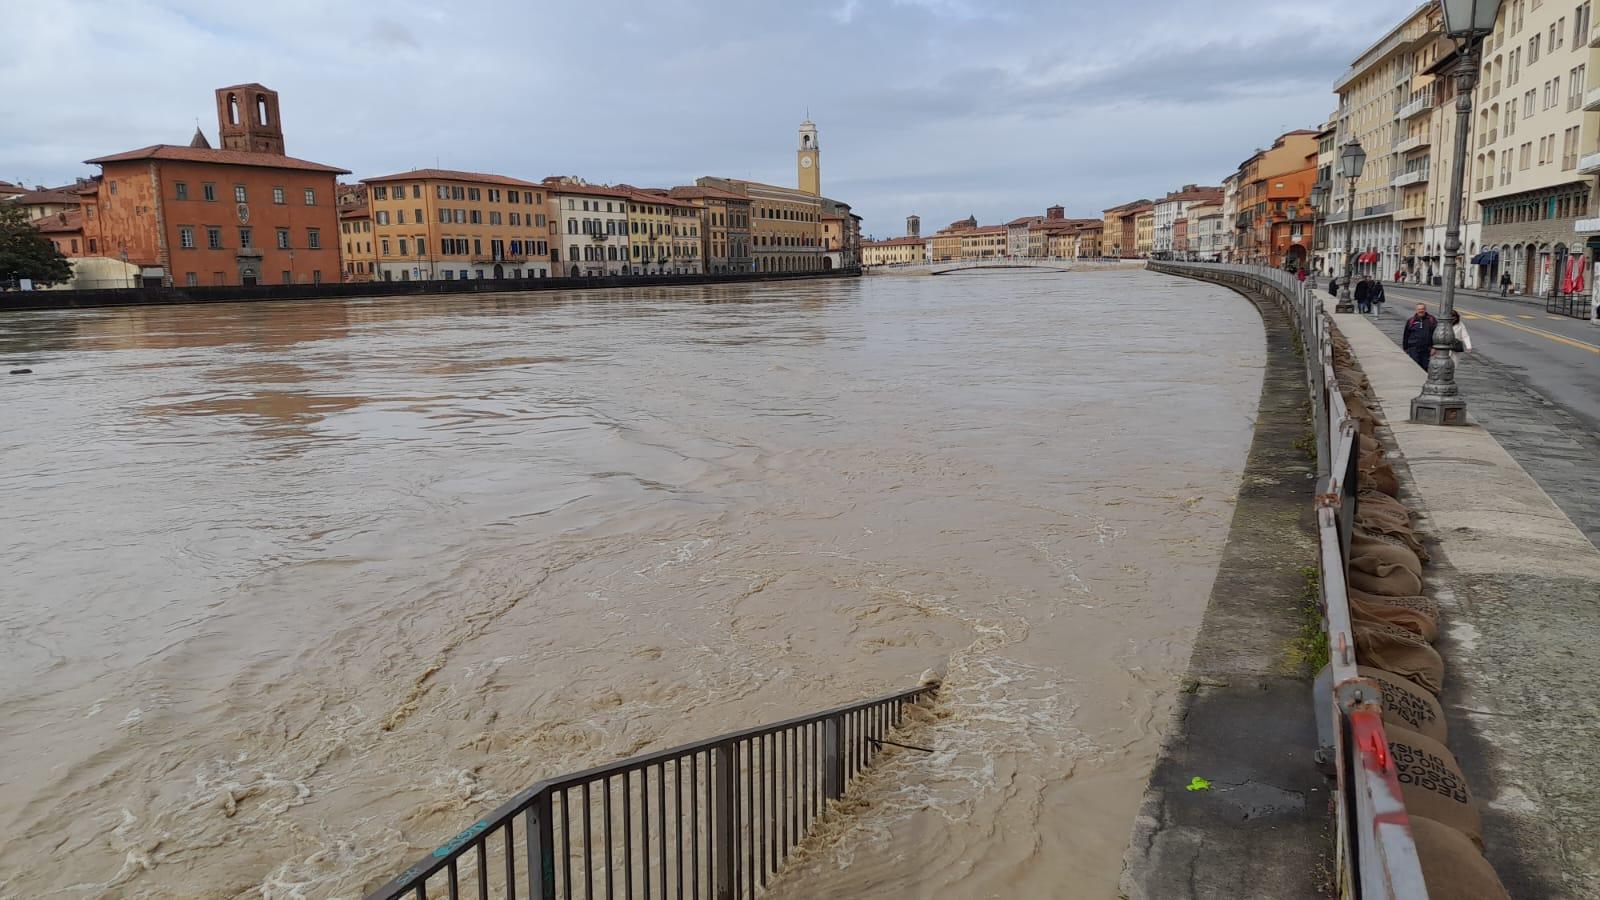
(69, 220)
(53, 195)
(452, 175)
(218, 157)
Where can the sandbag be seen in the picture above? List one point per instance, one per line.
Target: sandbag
(1368, 444)
(1394, 649)
(1431, 782)
(1386, 502)
(1385, 548)
(1387, 522)
(1409, 618)
(1379, 477)
(1452, 868)
(1407, 706)
(1387, 569)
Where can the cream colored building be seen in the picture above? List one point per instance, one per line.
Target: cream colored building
(899, 251)
(1377, 103)
(591, 227)
(1536, 143)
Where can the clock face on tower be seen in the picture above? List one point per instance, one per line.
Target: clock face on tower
(805, 161)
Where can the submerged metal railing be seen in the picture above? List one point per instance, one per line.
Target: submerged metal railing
(1375, 855)
(713, 819)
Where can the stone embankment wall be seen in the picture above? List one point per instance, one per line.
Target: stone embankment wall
(1395, 624)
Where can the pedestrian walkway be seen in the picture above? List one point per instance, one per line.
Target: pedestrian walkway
(1556, 447)
(1521, 584)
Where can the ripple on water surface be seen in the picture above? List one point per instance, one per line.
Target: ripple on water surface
(296, 589)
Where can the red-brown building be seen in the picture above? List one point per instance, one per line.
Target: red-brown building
(245, 214)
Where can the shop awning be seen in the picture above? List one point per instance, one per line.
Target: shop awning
(1369, 257)
(1486, 258)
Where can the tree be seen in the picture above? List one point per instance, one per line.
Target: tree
(25, 253)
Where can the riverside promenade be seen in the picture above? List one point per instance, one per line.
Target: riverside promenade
(1519, 584)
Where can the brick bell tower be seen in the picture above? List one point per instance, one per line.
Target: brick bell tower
(247, 119)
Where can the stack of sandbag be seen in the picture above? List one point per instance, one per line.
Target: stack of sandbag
(1394, 626)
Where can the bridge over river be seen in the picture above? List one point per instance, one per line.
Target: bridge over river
(1002, 263)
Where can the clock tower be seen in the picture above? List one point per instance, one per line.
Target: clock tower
(810, 167)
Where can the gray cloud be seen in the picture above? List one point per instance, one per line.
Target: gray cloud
(940, 107)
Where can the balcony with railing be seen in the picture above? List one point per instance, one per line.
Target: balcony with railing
(1587, 226)
(1594, 35)
(1404, 179)
(1415, 107)
(1589, 163)
(1413, 143)
(1591, 99)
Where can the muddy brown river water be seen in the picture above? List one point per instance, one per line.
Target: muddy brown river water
(293, 591)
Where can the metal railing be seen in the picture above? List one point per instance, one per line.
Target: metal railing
(1375, 856)
(713, 819)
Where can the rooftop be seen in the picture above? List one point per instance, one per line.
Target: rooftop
(451, 175)
(217, 157)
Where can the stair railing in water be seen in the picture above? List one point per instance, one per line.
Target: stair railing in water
(713, 819)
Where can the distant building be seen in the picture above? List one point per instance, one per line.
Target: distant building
(245, 214)
(725, 232)
(664, 233)
(913, 226)
(43, 202)
(356, 250)
(893, 251)
(1119, 229)
(591, 227)
(444, 224)
(1169, 211)
(841, 236)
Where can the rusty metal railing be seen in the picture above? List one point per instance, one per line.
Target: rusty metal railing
(1375, 855)
(713, 819)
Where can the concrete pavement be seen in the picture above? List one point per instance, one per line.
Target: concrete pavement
(1520, 586)
(1535, 385)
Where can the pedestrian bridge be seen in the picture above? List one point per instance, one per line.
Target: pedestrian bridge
(1058, 264)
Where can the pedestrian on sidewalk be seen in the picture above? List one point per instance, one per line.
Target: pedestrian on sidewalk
(1505, 283)
(1300, 275)
(1333, 287)
(1376, 298)
(1417, 339)
(1363, 295)
(1459, 329)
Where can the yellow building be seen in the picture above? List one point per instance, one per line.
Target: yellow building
(986, 242)
(357, 260)
(898, 251)
(1144, 229)
(785, 225)
(443, 224)
(663, 233)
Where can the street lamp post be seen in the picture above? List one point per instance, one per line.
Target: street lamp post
(1467, 22)
(1352, 159)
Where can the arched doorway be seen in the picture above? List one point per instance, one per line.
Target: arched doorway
(827, 263)
(575, 271)
(1530, 268)
(1295, 257)
(248, 279)
(499, 272)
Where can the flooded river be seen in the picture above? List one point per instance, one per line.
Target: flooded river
(292, 591)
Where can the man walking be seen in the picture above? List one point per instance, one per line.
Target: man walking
(1417, 340)
(1505, 283)
(1363, 295)
(1375, 298)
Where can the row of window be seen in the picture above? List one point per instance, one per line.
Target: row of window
(784, 240)
(246, 238)
(457, 192)
(680, 251)
(792, 215)
(661, 229)
(1565, 205)
(192, 279)
(208, 191)
(452, 246)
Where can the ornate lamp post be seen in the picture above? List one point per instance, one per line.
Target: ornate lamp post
(1467, 22)
(1352, 159)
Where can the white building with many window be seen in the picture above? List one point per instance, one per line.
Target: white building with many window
(591, 224)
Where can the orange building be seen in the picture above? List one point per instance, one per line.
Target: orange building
(194, 215)
(442, 224)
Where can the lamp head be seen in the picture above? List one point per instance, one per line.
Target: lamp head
(1469, 19)
(1352, 159)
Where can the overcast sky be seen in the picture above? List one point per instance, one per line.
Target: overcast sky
(938, 107)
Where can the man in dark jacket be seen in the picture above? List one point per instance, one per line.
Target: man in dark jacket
(1363, 295)
(1417, 340)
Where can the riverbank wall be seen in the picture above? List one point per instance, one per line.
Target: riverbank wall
(163, 296)
(1402, 819)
